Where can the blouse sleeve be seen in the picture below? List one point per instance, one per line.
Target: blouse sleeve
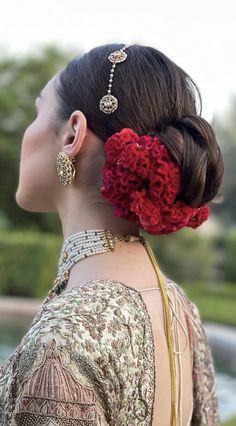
(58, 387)
(88, 359)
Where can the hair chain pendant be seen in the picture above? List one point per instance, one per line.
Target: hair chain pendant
(109, 103)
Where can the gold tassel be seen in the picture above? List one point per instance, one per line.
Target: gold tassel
(169, 333)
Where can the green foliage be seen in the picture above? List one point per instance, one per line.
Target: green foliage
(230, 252)
(21, 80)
(215, 300)
(225, 129)
(185, 255)
(231, 422)
(4, 221)
(28, 262)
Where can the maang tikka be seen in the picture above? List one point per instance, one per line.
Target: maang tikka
(109, 103)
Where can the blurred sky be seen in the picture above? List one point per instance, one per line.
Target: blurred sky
(200, 36)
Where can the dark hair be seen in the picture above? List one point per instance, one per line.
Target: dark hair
(156, 97)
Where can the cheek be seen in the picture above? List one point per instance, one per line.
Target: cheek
(37, 174)
(37, 153)
(38, 143)
(31, 139)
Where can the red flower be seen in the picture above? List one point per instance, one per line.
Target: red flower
(199, 217)
(142, 181)
(116, 143)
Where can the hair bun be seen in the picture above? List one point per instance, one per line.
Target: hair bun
(142, 181)
(192, 143)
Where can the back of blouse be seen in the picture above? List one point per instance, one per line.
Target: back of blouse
(197, 402)
(183, 356)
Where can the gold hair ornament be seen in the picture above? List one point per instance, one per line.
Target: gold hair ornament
(109, 103)
(65, 168)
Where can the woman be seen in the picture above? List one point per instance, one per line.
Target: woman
(115, 342)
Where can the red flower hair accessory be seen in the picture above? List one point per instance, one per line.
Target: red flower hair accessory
(142, 181)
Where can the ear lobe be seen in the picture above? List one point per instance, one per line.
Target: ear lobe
(76, 134)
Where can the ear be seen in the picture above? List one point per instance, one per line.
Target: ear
(75, 134)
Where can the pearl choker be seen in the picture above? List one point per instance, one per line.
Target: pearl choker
(81, 245)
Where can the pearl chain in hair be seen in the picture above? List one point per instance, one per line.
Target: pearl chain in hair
(109, 103)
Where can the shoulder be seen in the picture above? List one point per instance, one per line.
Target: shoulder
(94, 318)
(193, 317)
(191, 309)
(93, 309)
(87, 352)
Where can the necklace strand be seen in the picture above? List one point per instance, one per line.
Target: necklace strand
(80, 246)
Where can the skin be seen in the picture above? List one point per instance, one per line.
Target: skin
(79, 206)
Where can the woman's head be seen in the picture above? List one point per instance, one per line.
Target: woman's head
(39, 188)
(156, 97)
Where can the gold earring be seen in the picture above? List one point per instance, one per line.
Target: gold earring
(65, 168)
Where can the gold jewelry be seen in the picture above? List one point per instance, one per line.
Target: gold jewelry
(109, 103)
(169, 333)
(81, 245)
(65, 168)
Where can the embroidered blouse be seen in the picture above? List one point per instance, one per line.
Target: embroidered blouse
(88, 360)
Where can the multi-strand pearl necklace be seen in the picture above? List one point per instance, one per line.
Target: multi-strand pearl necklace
(81, 245)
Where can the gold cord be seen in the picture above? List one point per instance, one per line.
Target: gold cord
(168, 332)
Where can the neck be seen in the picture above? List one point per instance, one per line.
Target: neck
(79, 213)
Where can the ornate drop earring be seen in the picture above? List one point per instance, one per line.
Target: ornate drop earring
(65, 168)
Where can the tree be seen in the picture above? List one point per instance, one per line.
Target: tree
(20, 82)
(225, 129)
